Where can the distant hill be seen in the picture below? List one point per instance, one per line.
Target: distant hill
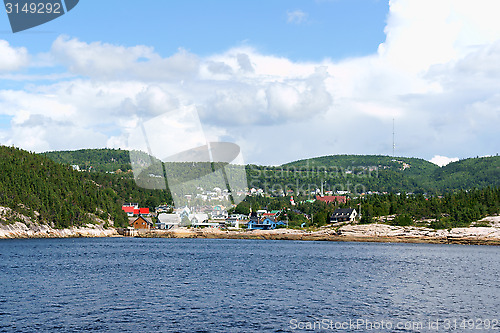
(101, 160)
(364, 160)
(469, 173)
(409, 165)
(52, 193)
(336, 172)
(410, 174)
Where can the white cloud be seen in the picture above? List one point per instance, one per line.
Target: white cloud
(296, 16)
(111, 62)
(442, 160)
(436, 74)
(12, 58)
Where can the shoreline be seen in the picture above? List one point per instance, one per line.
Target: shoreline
(20, 230)
(356, 233)
(380, 233)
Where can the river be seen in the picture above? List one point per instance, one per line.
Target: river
(222, 285)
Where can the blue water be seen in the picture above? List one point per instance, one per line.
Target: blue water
(199, 285)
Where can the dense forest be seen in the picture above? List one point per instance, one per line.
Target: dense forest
(99, 160)
(111, 168)
(53, 193)
(128, 191)
(354, 173)
(387, 174)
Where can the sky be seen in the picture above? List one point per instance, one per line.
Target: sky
(283, 79)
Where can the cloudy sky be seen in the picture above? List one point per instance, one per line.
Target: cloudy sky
(284, 79)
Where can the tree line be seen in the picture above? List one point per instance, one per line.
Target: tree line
(52, 193)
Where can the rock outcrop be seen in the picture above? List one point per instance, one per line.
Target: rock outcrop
(21, 230)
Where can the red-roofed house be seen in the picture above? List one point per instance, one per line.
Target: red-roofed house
(131, 210)
(332, 198)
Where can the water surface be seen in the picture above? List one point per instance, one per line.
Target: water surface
(200, 285)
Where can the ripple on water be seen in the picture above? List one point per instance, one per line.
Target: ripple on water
(198, 285)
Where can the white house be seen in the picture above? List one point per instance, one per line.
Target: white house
(168, 221)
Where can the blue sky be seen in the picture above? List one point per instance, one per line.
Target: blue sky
(284, 80)
(319, 29)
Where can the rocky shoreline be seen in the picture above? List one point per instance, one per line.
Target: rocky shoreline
(21, 230)
(347, 233)
(350, 233)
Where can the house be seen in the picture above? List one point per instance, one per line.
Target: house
(343, 215)
(272, 215)
(199, 219)
(163, 209)
(168, 221)
(206, 224)
(332, 198)
(142, 223)
(219, 213)
(264, 224)
(261, 212)
(132, 209)
(236, 220)
(129, 210)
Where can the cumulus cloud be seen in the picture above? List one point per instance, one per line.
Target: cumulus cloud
(244, 62)
(263, 102)
(442, 160)
(112, 62)
(12, 58)
(436, 74)
(296, 16)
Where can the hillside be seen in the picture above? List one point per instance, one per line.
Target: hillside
(408, 174)
(346, 161)
(52, 193)
(470, 173)
(356, 173)
(101, 160)
(111, 169)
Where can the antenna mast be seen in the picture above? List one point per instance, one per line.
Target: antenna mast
(393, 142)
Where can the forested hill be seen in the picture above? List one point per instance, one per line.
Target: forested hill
(370, 172)
(52, 193)
(470, 173)
(101, 160)
(111, 169)
(406, 174)
(411, 166)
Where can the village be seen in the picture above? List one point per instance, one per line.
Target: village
(165, 217)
